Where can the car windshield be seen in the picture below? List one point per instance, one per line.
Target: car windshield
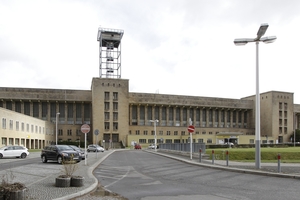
(63, 147)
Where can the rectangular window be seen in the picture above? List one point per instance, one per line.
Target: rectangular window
(142, 141)
(36, 129)
(70, 117)
(251, 141)
(115, 116)
(69, 132)
(137, 132)
(209, 141)
(161, 132)
(8, 105)
(280, 105)
(151, 141)
(106, 96)
(32, 128)
(149, 113)
(182, 132)
(78, 132)
(27, 108)
(87, 113)
(106, 125)
(175, 132)
(11, 124)
(145, 132)
(61, 107)
(27, 127)
(36, 109)
(115, 106)
(17, 125)
(106, 105)
(156, 113)
(168, 132)
(115, 96)
(60, 132)
(203, 133)
(115, 126)
(171, 116)
(44, 110)
(18, 107)
(106, 115)
(22, 126)
(3, 123)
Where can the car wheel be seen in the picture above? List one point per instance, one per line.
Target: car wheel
(44, 159)
(1, 156)
(59, 160)
(23, 155)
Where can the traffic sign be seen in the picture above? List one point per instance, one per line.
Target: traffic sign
(191, 129)
(96, 132)
(85, 128)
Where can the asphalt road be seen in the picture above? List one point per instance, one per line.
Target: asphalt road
(141, 175)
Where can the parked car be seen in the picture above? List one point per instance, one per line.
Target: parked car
(137, 146)
(59, 153)
(151, 146)
(13, 151)
(80, 151)
(94, 148)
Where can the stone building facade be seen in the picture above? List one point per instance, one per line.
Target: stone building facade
(122, 117)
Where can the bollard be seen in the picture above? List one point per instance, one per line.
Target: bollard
(278, 158)
(227, 158)
(200, 155)
(213, 157)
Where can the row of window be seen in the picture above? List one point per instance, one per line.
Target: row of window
(70, 111)
(208, 141)
(69, 132)
(183, 114)
(21, 127)
(145, 132)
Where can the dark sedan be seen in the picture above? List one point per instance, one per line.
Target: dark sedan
(59, 153)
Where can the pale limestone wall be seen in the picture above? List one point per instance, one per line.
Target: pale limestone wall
(99, 87)
(40, 132)
(35, 94)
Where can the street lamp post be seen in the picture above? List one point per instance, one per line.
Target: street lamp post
(155, 143)
(243, 41)
(57, 114)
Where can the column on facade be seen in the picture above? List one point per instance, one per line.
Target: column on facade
(213, 117)
(174, 115)
(146, 115)
(242, 118)
(160, 114)
(22, 107)
(138, 114)
(167, 116)
(130, 114)
(225, 118)
(13, 106)
(66, 113)
(74, 112)
(48, 110)
(231, 118)
(200, 117)
(40, 110)
(181, 115)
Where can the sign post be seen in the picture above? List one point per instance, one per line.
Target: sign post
(85, 128)
(191, 130)
(96, 132)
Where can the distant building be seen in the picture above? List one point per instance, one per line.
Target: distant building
(28, 115)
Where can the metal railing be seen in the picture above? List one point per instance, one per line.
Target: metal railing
(183, 147)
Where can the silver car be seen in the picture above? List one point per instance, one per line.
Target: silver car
(94, 148)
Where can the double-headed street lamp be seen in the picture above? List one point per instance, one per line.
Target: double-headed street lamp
(242, 41)
(57, 114)
(154, 121)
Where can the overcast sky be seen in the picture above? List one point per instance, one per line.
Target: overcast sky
(182, 47)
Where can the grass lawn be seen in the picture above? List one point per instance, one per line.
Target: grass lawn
(287, 154)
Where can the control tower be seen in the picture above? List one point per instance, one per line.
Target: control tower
(109, 52)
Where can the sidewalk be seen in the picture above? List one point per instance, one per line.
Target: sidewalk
(39, 178)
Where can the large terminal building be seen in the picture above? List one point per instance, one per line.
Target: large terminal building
(35, 117)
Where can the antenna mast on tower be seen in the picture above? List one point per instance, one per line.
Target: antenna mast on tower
(109, 52)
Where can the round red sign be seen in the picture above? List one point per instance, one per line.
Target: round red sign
(85, 128)
(191, 129)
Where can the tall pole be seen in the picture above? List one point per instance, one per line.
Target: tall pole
(56, 130)
(257, 114)
(155, 140)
